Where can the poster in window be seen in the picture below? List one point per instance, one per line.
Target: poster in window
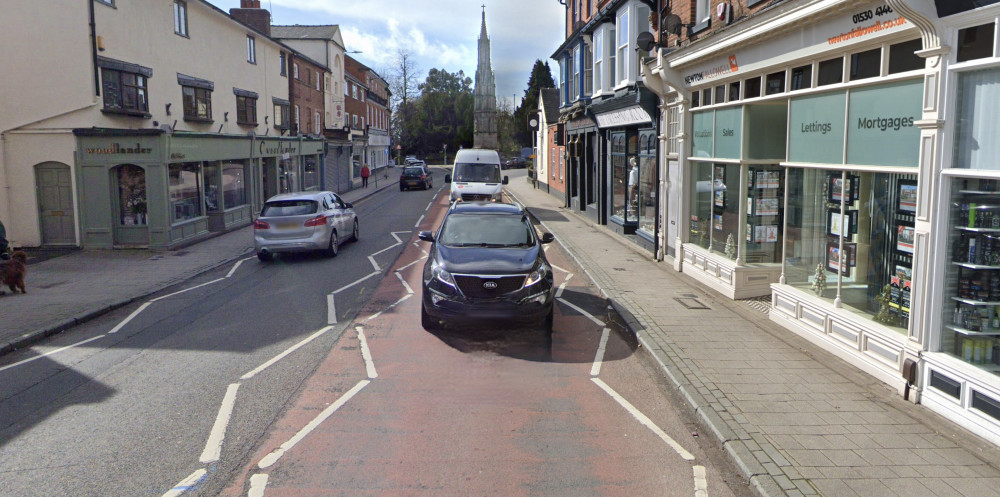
(759, 233)
(904, 239)
(907, 196)
(750, 232)
(834, 188)
(767, 180)
(835, 220)
(904, 273)
(720, 198)
(771, 235)
(767, 207)
(837, 261)
(718, 222)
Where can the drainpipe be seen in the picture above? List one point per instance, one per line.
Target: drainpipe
(93, 50)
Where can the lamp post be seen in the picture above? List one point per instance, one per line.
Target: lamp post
(446, 154)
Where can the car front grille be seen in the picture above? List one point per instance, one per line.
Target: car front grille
(477, 287)
(474, 197)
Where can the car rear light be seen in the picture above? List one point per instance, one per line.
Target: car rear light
(316, 221)
(261, 225)
(423, 176)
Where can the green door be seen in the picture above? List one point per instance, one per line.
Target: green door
(55, 204)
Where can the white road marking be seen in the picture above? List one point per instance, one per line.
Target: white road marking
(645, 421)
(390, 306)
(331, 310)
(186, 484)
(700, 482)
(595, 370)
(417, 244)
(563, 285)
(412, 263)
(258, 483)
(56, 351)
(581, 311)
(359, 280)
(366, 353)
(374, 264)
(559, 268)
(235, 267)
(187, 289)
(430, 204)
(130, 317)
(213, 447)
(273, 457)
(287, 351)
(419, 221)
(401, 280)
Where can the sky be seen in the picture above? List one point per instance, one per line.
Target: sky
(440, 34)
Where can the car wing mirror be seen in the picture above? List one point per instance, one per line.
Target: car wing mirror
(348, 205)
(447, 178)
(548, 238)
(506, 180)
(426, 236)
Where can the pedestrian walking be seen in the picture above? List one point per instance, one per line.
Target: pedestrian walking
(365, 173)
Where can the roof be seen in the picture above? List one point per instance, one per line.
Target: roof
(550, 103)
(485, 208)
(323, 32)
(298, 196)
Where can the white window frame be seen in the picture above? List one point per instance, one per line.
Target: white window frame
(703, 11)
(598, 78)
(317, 81)
(576, 83)
(295, 70)
(588, 70)
(622, 47)
(317, 122)
(251, 49)
(180, 18)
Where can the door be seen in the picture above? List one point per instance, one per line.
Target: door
(130, 206)
(55, 204)
(671, 202)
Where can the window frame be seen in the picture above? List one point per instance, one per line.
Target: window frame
(283, 62)
(622, 49)
(199, 95)
(246, 110)
(118, 106)
(282, 114)
(180, 18)
(251, 49)
(598, 49)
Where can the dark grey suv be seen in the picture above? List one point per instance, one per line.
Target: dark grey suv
(486, 265)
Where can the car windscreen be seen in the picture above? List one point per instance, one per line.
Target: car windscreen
(491, 230)
(413, 171)
(477, 173)
(282, 208)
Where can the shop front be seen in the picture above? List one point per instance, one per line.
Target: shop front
(583, 180)
(629, 151)
(151, 189)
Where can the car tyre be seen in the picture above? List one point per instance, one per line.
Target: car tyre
(265, 256)
(333, 248)
(427, 321)
(356, 232)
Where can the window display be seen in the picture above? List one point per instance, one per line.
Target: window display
(972, 324)
(185, 191)
(646, 195)
(765, 195)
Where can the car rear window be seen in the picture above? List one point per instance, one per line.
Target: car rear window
(413, 171)
(486, 229)
(282, 208)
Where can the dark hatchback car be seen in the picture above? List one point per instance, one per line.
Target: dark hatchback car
(486, 266)
(416, 177)
(516, 163)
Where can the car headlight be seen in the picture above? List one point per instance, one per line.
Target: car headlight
(498, 197)
(538, 274)
(438, 272)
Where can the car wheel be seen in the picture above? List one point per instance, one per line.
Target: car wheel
(427, 321)
(265, 256)
(356, 233)
(333, 248)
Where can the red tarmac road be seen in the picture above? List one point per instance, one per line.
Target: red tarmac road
(474, 412)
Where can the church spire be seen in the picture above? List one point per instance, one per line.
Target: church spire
(484, 133)
(482, 30)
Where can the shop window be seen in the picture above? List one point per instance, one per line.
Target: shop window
(801, 78)
(851, 235)
(734, 91)
(185, 191)
(867, 64)
(234, 185)
(975, 42)
(720, 94)
(197, 103)
(706, 96)
(715, 223)
(903, 57)
(972, 290)
(124, 91)
(765, 199)
(310, 174)
(623, 161)
(977, 127)
(830, 72)
(644, 198)
(695, 99)
(212, 190)
(751, 88)
(775, 83)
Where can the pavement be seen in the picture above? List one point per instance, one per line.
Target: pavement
(796, 420)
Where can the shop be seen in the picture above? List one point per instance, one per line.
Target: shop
(583, 177)
(158, 190)
(961, 366)
(628, 151)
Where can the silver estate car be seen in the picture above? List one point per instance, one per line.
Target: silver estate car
(302, 222)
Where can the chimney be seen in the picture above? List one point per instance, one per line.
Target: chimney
(252, 15)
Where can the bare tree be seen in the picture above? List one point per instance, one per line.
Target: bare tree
(403, 83)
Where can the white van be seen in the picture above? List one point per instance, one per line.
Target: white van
(476, 176)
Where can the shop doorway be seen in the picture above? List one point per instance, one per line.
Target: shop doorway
(55, 204)
(130, 206)
(270, 177)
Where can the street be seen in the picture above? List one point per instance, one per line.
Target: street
(313, 376)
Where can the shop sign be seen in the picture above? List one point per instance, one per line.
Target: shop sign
(728, 132)
(816, 128)
(704, 127)
(623, 117)
(880, 124)
(119, 149)
(275, 147)
(860, 25)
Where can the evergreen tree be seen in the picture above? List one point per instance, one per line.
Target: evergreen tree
(541, 77)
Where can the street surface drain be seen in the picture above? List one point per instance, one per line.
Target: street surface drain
(691, 303)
